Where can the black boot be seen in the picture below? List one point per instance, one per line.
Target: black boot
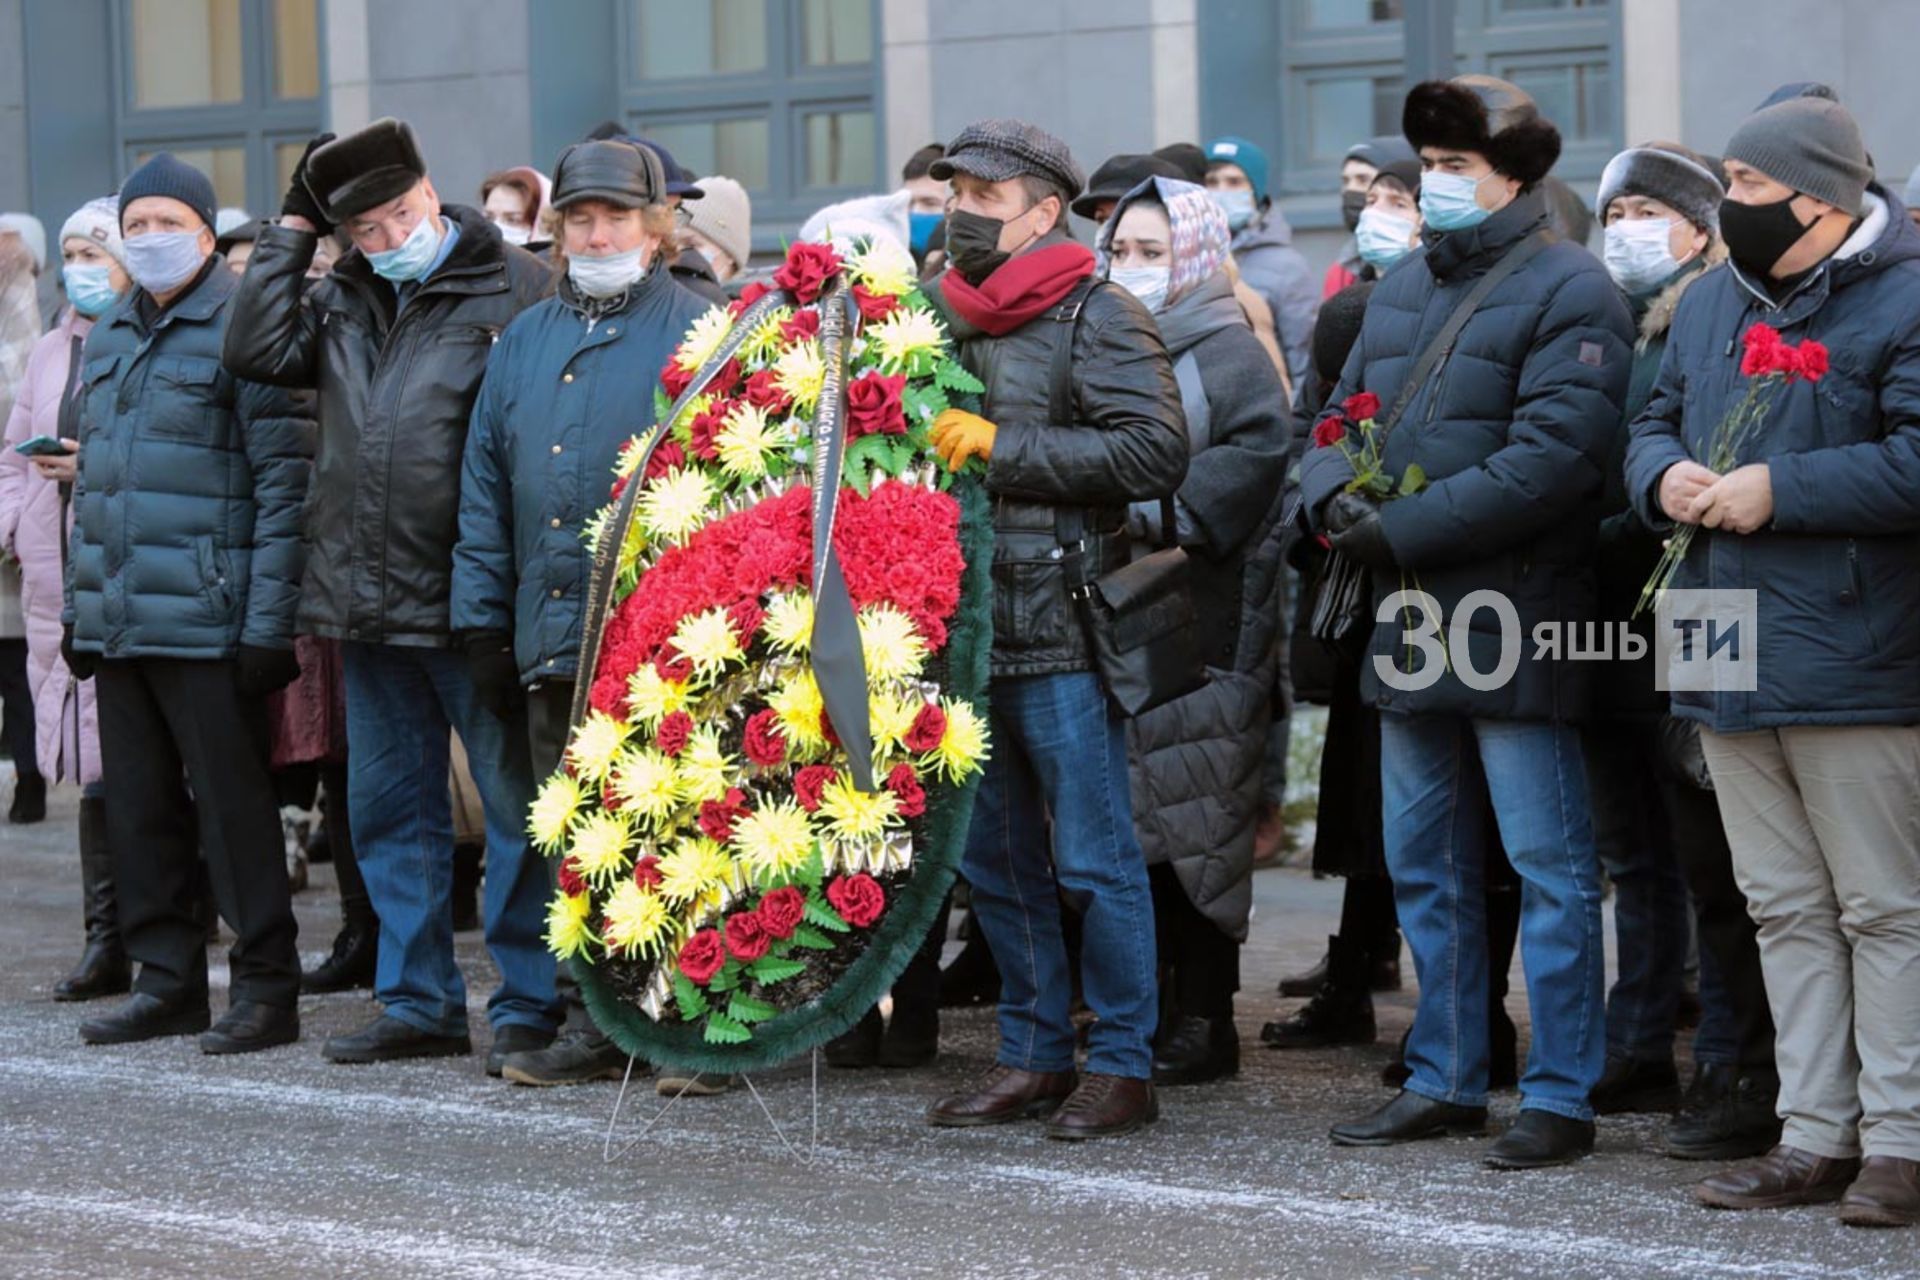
(29, 800)
(1383, 974)
(1410, 1118)
(1196, 1050)
(103, 969)
(1629, 1085)
(859, 1046)
(1727, 1114)
(350, 965)
(1341, 1011)
(1541, 1140)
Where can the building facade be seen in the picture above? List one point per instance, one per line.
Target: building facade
(809, 101)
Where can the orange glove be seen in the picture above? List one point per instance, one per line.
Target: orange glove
(959, 437)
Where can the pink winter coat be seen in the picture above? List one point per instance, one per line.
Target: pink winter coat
(68, 740)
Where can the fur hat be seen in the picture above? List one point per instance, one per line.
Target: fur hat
(1484, 114)
(353, 174)
(1671, 174)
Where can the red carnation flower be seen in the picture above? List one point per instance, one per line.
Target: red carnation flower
(874, 306)
(673, 733)
(1361, 406)
(725, 379)
(718, 816)
(1329, 432)
(808, 783)
(763, 391)
(665, 458)
(807, 269)
(1813, 360)
(929, 727)
(800, 326)
(646, 872)
(669, 665)
(765, 744)
(858, 898)
(747, 936)
(1760, 335)
(703, 432)
(873, 405)
(748, 296)
(569, 878)
(781, 911)
(907, 791)
(674, 380)
(703, 956)
(746, 617)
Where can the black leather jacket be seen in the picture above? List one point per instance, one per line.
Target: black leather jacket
(395, 387)
(1127, 441)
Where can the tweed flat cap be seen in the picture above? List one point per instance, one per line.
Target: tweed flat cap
(995, 150)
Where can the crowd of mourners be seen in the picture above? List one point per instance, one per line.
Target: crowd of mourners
(294, 509)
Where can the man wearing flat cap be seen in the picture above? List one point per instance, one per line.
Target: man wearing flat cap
(537, 464)
(1062, 469)
(395, 341)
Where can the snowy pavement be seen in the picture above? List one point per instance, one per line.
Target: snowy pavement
(153, 1160)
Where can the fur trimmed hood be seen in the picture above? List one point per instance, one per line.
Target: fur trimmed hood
(1485, 114)
(1659, 314)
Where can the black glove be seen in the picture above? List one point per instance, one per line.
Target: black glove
(83, 665)
(261, 671)
(1353, 526)
(300, 202)
(496, 676)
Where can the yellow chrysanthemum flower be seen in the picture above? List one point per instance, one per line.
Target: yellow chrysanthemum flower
(890, 718)
(766, 338)
(908, 331)
(893, 648)
(964, 748)
(703, 338)
(774, 841)
(638, 922)
(652, 698)
(789, 624)
(797, 702)
(800, 372)
(746, 443)
(599, 846)
(675, 505)
(647, 784)
(552, 812)
(706, 771)
(594, 745)
(697, 865)
(568, 933)
(629, 460)
(852, 814)
(883, 267)
(708, 642)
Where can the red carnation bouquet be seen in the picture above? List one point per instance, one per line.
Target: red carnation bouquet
(1769, 365)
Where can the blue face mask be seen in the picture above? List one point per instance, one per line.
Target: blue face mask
(163, 260)
(1448, 203)
(1237, 204)
(414, 256)
(89, 288)
(1383, 238)
(922, 225)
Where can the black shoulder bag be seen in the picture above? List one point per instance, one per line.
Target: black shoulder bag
(1343, 599)
(1140, 619)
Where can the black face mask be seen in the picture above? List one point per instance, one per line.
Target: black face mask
(1351, 205)
(973, 245)
(1759, 235)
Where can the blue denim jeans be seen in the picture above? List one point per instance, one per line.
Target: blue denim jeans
(401, 702)
(1059, 753)
(1433, 770)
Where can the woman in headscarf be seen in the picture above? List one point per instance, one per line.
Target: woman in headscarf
(1196, 762)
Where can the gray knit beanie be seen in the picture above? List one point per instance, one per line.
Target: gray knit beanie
(1810, 144)
(1671, 174)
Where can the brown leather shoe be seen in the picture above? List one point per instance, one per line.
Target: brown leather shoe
(1886, 1194)
(1784, 1176)
(1002, 1095)
(1105, 1107)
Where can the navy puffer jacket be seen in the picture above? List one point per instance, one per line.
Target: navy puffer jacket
(1513, 431)
(1837, 571)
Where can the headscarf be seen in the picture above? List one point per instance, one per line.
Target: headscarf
(1201, 239)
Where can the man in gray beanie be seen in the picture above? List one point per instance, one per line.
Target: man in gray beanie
(1818, 527)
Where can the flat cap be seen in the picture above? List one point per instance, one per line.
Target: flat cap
(354, 174)
(995, 150)
(617, 171)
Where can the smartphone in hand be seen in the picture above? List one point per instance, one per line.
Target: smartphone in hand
(41, 447)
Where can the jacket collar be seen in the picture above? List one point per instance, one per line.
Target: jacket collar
(478, 253)
(1656, 312)
(1471, 251)
(198, 305)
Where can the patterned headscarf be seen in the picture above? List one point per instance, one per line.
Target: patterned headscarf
(1201, 238)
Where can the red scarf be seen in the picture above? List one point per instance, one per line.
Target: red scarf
(1022, 289)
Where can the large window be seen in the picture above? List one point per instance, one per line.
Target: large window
(230, 86)
(778, 94)
(1343, 79)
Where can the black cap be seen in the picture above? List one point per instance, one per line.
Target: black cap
(1189, 158)
(619, 172)
(1121, 174)
(995, 150)
(362, 170)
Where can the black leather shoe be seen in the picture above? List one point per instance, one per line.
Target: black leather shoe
(1410, 1117)
(578, 1055)
(1627, 1086)
(1727, 1114)
(103, 971)
(29, 801)
(249, 1026)
(859, 1047)
(387, 1039)
(356, 949)
(145, 1017)
(1540, 1140)
(1196, 1050)
(513, 1039)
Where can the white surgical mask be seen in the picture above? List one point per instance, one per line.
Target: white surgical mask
(162, 260)
(1639, 253)
(512, 234)
(1149, 284)
(607, 276)
(1236, 203)
(1450, 201)
(1383, 238)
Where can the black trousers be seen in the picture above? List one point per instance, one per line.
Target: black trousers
(16, 709)
(1720, 917)
(180, 741)
(1199, 965)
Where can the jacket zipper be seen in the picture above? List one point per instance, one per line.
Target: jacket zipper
(1860, 592)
